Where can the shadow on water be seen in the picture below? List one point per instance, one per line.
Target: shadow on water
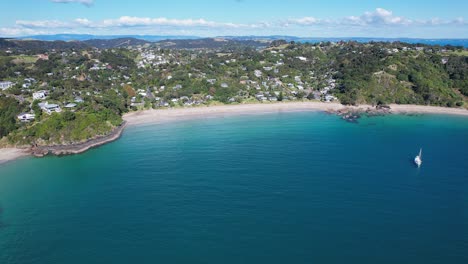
(412, 164)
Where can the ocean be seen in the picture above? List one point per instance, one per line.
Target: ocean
(304, 187)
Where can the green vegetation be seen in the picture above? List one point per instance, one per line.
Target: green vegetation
(67, 127)
(9, 109)
(27, 59)
(372, 74)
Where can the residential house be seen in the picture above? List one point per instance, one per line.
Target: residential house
(70, 105)
(50, 108)
(39, 95)
(6, 84)
(258, 73)
(26, 117)
(329, 98)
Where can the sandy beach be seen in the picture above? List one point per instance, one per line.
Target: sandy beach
(8, 154)
(423, 109)
(170, 114)
(165, 115)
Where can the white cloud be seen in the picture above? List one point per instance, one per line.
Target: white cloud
(305, 21)
(83, 22)
(368, 22)
(16, 31)
(42, 24)
(460, 21)
(378, 17)
(127, 21)
(87, 3)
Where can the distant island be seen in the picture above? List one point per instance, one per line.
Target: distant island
(66, 96)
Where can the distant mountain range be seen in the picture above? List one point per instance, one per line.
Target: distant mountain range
(442, 42)
(42, 43)
(206, 43)
(39, 45)
(153, 38)
(211, 43)
(29, 44)
(115, 42)
(83, 37)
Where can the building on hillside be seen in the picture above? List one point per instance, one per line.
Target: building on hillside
(70, 105)
(26, 117)
(39, 95)
(50, 108)
(5, 85)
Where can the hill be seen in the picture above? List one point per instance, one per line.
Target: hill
(39, 46)
(83, 37)
(115, 43)
(211, 43)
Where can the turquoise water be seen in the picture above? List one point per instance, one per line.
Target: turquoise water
(275, 188)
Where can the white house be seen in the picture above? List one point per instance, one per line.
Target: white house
(25, 117)
(5, 85)
(39, 95)
(258, 73)
(70, 105)
(49, 108)
(329, 98)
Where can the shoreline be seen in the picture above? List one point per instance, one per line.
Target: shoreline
(171, 114)
(157, 116)
(10, 154)
(426, 109)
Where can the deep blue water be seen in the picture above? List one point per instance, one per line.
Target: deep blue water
(276, 188)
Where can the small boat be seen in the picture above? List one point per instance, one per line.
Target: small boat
(418, 159)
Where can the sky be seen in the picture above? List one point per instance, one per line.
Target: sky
(302, 18)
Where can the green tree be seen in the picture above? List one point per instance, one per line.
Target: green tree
(280, 96)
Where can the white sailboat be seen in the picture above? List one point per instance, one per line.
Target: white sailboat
(418, 159)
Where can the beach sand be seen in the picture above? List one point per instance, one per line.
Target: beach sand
(423, 109)
(171, 114)
(165, 115)
(8, 154)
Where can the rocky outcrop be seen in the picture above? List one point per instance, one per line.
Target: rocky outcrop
(352, 114)
(59, 150)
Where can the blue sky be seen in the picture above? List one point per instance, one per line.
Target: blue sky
(306, 18)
